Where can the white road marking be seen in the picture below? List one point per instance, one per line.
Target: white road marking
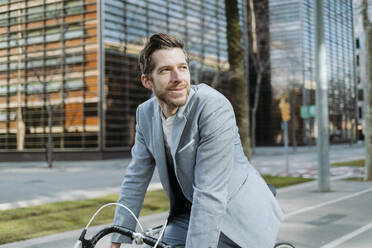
(327, 203)
(347, 237)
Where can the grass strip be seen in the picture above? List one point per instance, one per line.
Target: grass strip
(354, 163)
(280, 182)
(31, 222)
(358, 179)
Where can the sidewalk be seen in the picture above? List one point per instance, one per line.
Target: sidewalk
(86, 179)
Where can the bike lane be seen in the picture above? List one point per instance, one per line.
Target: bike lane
(339, 218)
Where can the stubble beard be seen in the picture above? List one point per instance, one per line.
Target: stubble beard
(173, 104)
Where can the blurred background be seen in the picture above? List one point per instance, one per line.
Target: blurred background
(69, 79)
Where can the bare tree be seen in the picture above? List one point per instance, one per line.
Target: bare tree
(367, 26)
(237, 80)
(259, 58)
(20, 121)
(45, 76)
(291, 60)
(51, 108)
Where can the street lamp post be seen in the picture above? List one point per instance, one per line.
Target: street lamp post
(321, 101)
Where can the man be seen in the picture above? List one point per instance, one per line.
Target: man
(217, 198)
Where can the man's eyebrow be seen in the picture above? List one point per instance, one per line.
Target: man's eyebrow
(163, 67)
(168, 66)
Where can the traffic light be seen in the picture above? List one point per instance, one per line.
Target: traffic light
(285, 110)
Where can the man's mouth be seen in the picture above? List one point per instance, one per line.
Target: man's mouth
(177, 89)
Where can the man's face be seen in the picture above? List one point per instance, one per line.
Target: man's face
(170, 78)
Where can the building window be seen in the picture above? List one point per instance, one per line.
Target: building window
(360, 113)
(360, 95)
(357, 43)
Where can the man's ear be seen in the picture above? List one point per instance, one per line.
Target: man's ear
(146, 82)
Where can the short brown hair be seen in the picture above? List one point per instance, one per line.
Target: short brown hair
(156, 42)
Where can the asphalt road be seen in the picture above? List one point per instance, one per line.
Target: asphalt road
(270, 160)
(32, 183)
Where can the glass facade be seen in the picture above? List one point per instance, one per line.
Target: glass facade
(201, 24)
(293, 75)
(48, 59)
(79, 59)
(360, 73)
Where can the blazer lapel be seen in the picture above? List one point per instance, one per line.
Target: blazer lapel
(158, 147)
(179, 124)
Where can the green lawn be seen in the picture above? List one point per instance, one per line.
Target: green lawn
(359, 179)
(31, 222)
(280, 182)
(356, 163)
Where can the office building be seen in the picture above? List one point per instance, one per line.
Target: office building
(360, 69)
(77, 59)
(293, 72)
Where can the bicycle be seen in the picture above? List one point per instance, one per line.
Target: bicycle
(143, 237)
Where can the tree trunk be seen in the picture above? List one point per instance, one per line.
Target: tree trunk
(20, 122)
(255, 108)
(50, 139)
(367, 26)
(237, 81)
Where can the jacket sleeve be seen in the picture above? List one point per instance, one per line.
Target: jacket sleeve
(134, 186)
(213, 167)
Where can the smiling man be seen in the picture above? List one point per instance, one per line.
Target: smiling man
(169, 79)
(217, 199)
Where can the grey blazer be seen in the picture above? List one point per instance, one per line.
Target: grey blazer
(226, 192)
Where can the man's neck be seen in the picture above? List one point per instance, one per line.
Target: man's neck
(167, 110)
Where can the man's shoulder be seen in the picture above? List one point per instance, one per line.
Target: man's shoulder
(148, 105)
(147, 108)
(207, 94)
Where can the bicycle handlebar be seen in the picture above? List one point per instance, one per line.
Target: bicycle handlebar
(91, 243)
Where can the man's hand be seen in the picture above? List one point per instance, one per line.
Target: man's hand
(115, 245)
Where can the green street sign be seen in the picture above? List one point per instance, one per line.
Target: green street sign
(304, 112)
(312, 111)
(308, 111)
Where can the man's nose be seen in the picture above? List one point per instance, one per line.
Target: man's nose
(176, 75)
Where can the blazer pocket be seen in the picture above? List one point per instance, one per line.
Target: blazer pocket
(233, 194)
(190, 144)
